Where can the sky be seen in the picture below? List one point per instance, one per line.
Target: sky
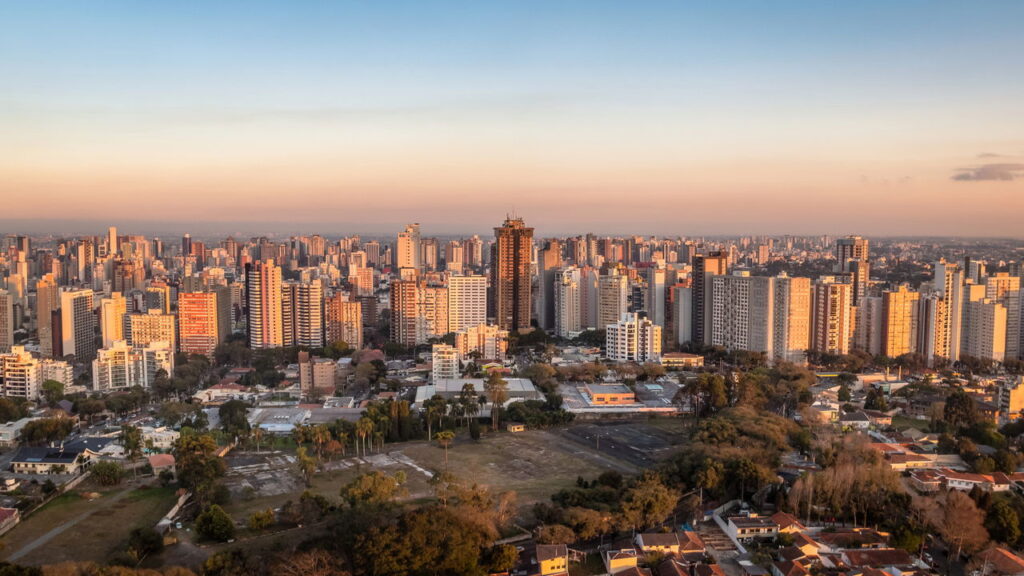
(871, 117)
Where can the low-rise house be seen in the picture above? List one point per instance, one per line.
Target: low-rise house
(878, 418)
(552, 559)
(956, 480)
(925, 480)
(161, 462)
(855, 420)
(681, 360)
(620, 560)
(1000, 561)
(789, 568)
(10, 432)
(746, 528)
(162, 438)
(48, 460)
(788, 524)
(670, 543)
(708, 570)
(852, 538)
(877, 558)
(9, 518)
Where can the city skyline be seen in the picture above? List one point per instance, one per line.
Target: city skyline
(873, 118)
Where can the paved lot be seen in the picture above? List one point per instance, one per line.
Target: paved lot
(636, 442)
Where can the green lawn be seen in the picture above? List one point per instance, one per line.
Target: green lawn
(103, 523)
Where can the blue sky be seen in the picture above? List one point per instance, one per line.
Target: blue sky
(449, 112)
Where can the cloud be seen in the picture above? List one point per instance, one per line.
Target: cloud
(991, 172)
(991, 155)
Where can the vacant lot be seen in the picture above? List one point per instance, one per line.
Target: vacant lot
(535, 464)
(642, 443)
(75, 528)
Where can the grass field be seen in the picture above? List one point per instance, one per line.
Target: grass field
(93, 529)
(903, 422)
(534, 464)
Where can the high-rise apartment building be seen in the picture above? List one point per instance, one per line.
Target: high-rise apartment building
(444, 363)
(705, 266)
(47, 302)
(418, 312)
(122, 366)
(900, 310)
(78, 324)
(986, 336)
(511, 276)
(263, 304)
(742, 311)
(19, 374)
(485, 341)
(852, 257)
(408, 251)
(153, 326)
(302, 319)
(633, 339)
(568, 310)
(792, 317)
(201, 322)
(343, 321)
(832, 320)
(549, 260)
(6, 321)
(612, 297)
(112, 313)
(467, 302)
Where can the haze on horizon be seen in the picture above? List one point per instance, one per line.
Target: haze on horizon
(742, 117)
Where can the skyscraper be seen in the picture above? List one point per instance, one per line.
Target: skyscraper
(6, 321)
(510, 272)
(899, 321)
(112, 312)
(852, 260)
(343, 321)
(467, 302)
(199, 328)
(153, 326)
(302, 314)
(407, 249)
(263, 304)
(78, 324)
(704, 267)
(612, 297)
(831, 316)
(568, 309)
(47, 301)
(549, 260)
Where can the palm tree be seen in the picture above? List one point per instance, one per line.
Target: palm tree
(444, 438)
(257, 435)
(343, 440)
(364, 428)
(320, 436)
(131, 441)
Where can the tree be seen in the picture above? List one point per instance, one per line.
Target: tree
(844, 393)
(143, 542)
(316, 562)
(53, 392)
(306, 464)
(960, 411)
(502, 558)
(497, 393)
(434, 407)
(261, 519)
(373, 488)
(962, 523)
(12, 410)
(876, 400)
(1003, 522)
(648, 502)
(215, 524)
(131, 441)
(555, 534)
(46, 430)
(108, 473)
(444, 438)
(198, 465)
(234, 417)
(364, 429)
